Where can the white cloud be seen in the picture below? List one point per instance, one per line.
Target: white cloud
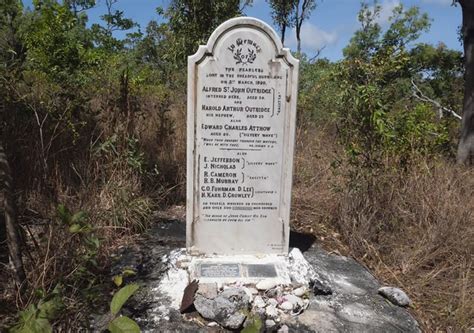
(387, 11)
(439, 2)
(312, 38)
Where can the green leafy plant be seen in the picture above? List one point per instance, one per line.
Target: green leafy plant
(122, 324)
(36, 318)
(84, 253)
(118, 279)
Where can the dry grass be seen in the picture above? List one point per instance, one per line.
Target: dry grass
(413, 228)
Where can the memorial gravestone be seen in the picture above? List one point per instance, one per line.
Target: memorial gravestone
(242, 89)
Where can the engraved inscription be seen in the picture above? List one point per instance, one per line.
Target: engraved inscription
(219, 270)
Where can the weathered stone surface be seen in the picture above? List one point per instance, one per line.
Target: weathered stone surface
(395, 295)
(266, 284)
(319, 287)
(273, 292)
(271, 311)
(300, 291)
(259, 302)
(295, 300)
(283, 329)
(228, 308)
(269, 323)
(208, 290)
(286, 306)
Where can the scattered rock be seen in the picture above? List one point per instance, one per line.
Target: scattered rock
(266, 284)
(269, 323)
(227, 308)
(234, 321)
(272, 302)
(286, 306)
(319, 288)
(274, 292)
(259, 302)
(236, 295)
(299, 291)
(208, 290)
(206, 307)
(249, 294)
(253, 291)
(300, 270)
(259, 311)
(395, 295)
(283, 329)
(271, 311)
(294, 300)
(212, 324)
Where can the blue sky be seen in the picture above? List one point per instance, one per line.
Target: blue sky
(331, 25)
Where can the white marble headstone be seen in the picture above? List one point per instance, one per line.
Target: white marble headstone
(242, 90)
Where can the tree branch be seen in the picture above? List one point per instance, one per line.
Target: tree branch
(317, 54)
(418, 94)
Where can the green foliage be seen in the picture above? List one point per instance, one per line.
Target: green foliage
(132, 154)
(405, 27)
(283, 12)
(58, 42)
(118, 279)
(88, 243)
(254, 325)
(135, 158)
(121, 296)
(191, 22)
(316, 91)
(441, 70)
(123, 324)
(376, 115)
(416, 131)
(36, 318)
(76, 222)
(31, 322)
(114, 20)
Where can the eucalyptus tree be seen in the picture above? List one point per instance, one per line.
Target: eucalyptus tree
(465, 153)
(283, 12)
(302, 11)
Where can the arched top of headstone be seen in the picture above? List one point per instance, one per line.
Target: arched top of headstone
(238, 23)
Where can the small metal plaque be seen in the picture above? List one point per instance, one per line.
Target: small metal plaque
(220, 270)
(261, 271)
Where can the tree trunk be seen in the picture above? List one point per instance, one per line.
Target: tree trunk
(298, 23)
(298, 39)
(7, 205)
(283, 31)
(466, 143)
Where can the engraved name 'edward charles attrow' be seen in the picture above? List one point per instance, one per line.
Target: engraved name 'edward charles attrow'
(242, 89)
